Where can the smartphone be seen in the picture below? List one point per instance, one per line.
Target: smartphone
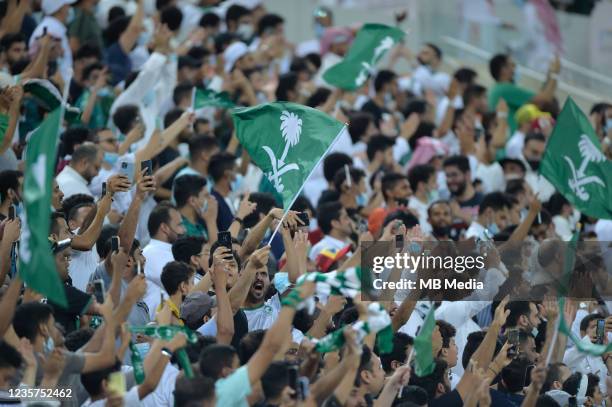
(225, 239)
(148, 166)
(601, 331)
(98, 290)
(399, 241)
(303, 216)
(11, 212)
(303, 387)
(127, 169)
(103, 188)
(527, 381)
(44, 31)
(115, 242)
(513, 340)
(116, 383)
(293, 381)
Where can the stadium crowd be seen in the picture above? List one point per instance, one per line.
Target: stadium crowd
(159, 218)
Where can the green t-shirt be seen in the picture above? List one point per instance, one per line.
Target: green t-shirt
(85, 28)
(515, 97)
(195, 230)
(98, 119)
(4, 119)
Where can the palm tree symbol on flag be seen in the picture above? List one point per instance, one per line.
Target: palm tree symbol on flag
(589, 152)
(291, 129)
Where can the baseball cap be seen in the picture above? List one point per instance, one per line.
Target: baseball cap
(233, 53)
(528, 113)
(51, 6)
(195, 306)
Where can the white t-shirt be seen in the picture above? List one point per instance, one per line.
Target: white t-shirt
(164, 392)
(131, 399)
(421, 209)
(158, 254)
(71, 182)
(264, 316)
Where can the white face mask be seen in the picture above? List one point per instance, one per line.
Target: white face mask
(48, 346)
(245, 31)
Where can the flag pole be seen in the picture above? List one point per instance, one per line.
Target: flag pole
(286, 210)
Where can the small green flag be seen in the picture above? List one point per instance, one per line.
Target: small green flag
(37, 267)
(210, 98)
(49, 98)
(574, 163)
(286, 141)
(423, 351)
(588, 347)
(370, 45)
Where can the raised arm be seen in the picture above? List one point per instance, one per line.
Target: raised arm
(225, 316)
(127, 229)
(8, 304)
(154, 373)
(15, 94)
(128, 38)
(86, 241)
(12, 230)
(238, 293)
(105, 357)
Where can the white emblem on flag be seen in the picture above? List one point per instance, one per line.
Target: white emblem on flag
(291, 129)
(589, 153)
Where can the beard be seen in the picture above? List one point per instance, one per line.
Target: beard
(460, 189)
(441, 231)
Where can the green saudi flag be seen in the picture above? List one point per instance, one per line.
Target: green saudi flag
(370, 45)
(286, 141)
(574, 163)
(37, 268)
(423, 351)
(210, 98)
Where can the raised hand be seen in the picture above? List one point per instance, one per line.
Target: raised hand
(118, 183)
(246, 207)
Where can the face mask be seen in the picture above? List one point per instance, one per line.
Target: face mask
(48, 346)
(105, 92)
(362, 199)
(19, 209)
(245, 31)
(281, 281)
(237, 183)
(313, 225)
(110, 158)
(493, 228)
(608, 125)
(143, 348)
(517, 75)
(433, 196)
(318, 30)
(534, 164)
(534, 331)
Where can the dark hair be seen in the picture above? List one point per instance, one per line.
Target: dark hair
(572, 383)
(124, 117)
(186, 246)
(75, 200)
(172, 116)
(401, 341)
(105, 234)
(275, 379)
(584, 324)
(89, 69)
(358, 125)
(383, 77)
(193, 392)
(406, 217)
(418, 106)
(186, 186)
(249, 344)
(161, 4)
(9, 179)
(172, 16)
(92, 381)
(75, 340)
(517, 309)
(9, 39)
(356, 175)
(28, 317)
(235, 12)
(390, 180)
(472, 92)
(267, 21)
(553, 375)
(459, 161)
(88, 50)
(465, 75)
(173, 274)
(544, 400)
(447, 331)
(9, 356)
(115, 28)
(286, 82)
(435, 49)
(430, 382)
(424, 129)
(593, 382)
(219, 163)
(496, 64)
(302, 204)
(420, 173)
(514, 375)
(214, 358)
(114, 13)
(73, 136)
(327, 213)
(333, 162)
(265, 202)
(74, 211)
(210, 20)
(378, 143)
(494, 200)
(314, 58)
(515, 187)
(319, 96)
(181, 91)
(159, 215)
(201, 143)
(556, 203)
(199, 53)
(535, 135)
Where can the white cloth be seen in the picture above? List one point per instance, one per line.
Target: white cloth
(585, 363)
(476, 230)
(164, 392)
(158, 254)
(563, 228)
(443, 105)
(82, 266)
(421, 209)
(514, 146)
(58, 30)
(492, 176)
(330, 59)
(130, 399)
(328, 242)
(264, 316)
(71, 182)
(424, 79)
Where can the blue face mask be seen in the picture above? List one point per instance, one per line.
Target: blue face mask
(281, 281)
(609, 124)
(237, 183)
(362, 199)
(48, 346)
(143, 348)
(105, 92)
(110, 158)
(493, 229)
(319, 30)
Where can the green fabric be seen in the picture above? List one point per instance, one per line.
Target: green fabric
(37, 262)
(286, 141)
(85, 28)
(266, 186)
(575, 164)
(371, 44)
(590, 348)
(97, 119)
(515, 97)
(207, 97)
(191, 230)
(423, 351)
(4, 120)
